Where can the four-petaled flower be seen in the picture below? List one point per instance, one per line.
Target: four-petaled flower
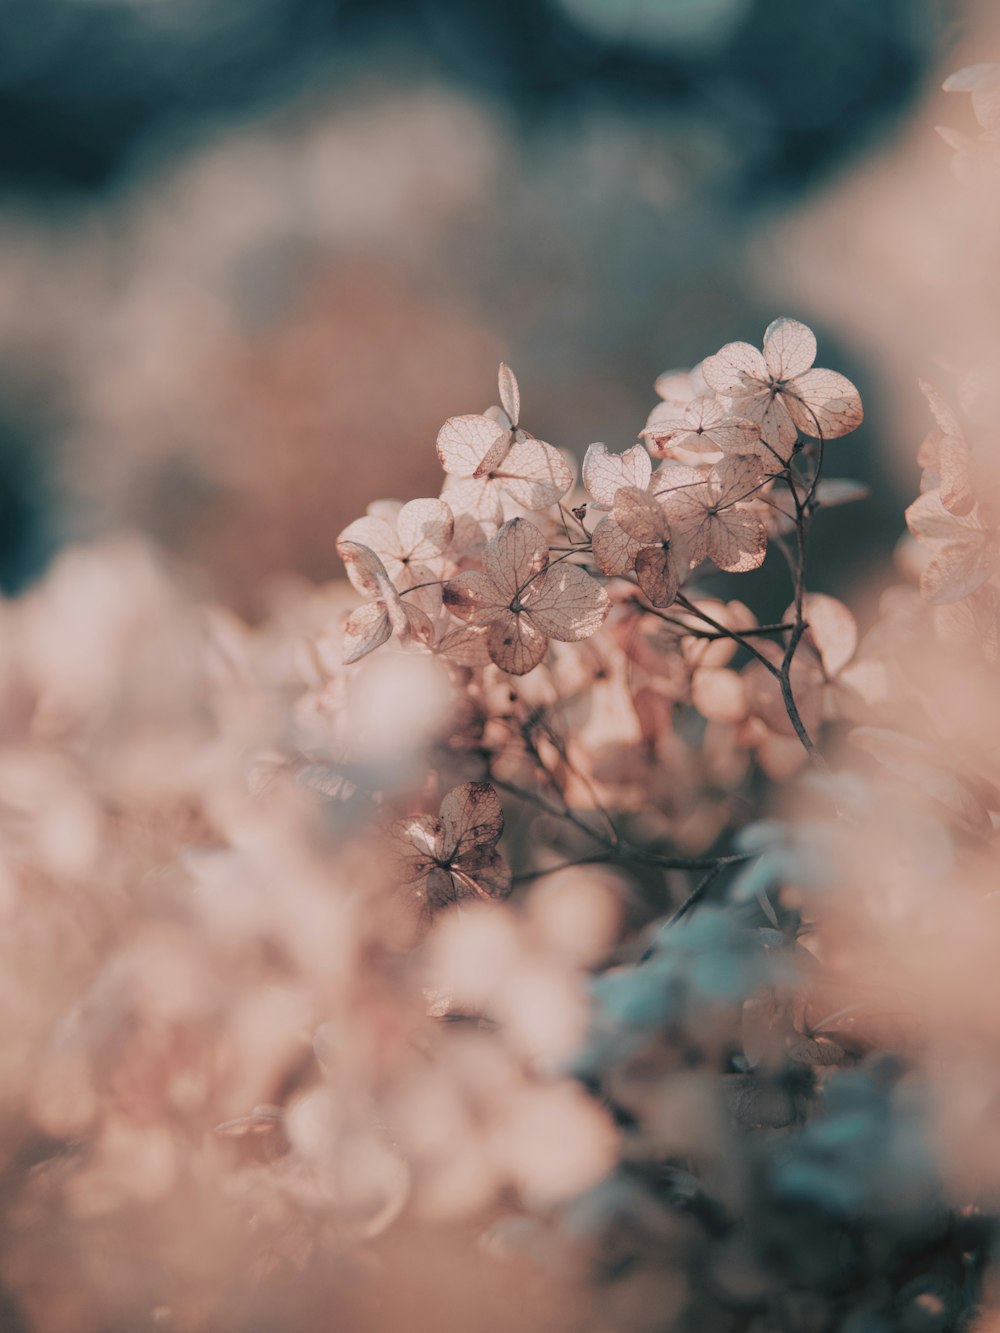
(780, 391)
(713, 516)
(409, 539)
(487, 456)
(453, 855)
(523, 600)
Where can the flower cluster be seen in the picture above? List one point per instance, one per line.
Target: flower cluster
(456, 948)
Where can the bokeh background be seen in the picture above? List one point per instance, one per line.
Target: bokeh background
(253, 252)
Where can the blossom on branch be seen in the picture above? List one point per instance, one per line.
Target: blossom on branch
(780, 390)
(523, 600)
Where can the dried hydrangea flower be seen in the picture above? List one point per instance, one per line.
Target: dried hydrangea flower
(781, 391)
(453, 855)
(524, 600)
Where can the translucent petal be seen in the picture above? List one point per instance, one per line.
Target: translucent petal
(737, 370)
(789, 348)
(473, 821)
(463, 443)
(614, 550)
(510, 394)
(364, 569)
(534, 474)
(516, 554)
(640, 515)
(515, 644)
(604, 474)
(365, 629)
(568, 604)
(823, 404)
(425, 528)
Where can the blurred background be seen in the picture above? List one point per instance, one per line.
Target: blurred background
(254, 252)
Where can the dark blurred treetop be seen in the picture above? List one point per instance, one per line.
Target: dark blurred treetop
(88, 85)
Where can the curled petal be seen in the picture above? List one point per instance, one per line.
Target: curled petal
(364, 569)
(929, 520)
(465, 444)
(365, 629)
(510, 394)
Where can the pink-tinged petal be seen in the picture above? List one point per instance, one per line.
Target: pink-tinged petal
(956, 571)
(465, 645)
(613, 549)
(491, 876)
(777, 429)
(425, 528)
(953, 458)
(476, 503)
(736, 541)
(364, 569)
(604, 474)
(514, 556)
(510, 394)
(740, 476)
(417, 625)
(823, 404)
(464, 443)
(660, 571)
(473, 821)
(737, 370)
(734, 435)
(473, 597)
(415, 844)
(567, 604)
(515, 645)
(832, 633)
(719, 695)
(789, 348)
(688, 509)
(671, 477)
(378, 534)
(679, 386)
(928, 520)
(640, 515)
(534, 474)
(365, 629)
